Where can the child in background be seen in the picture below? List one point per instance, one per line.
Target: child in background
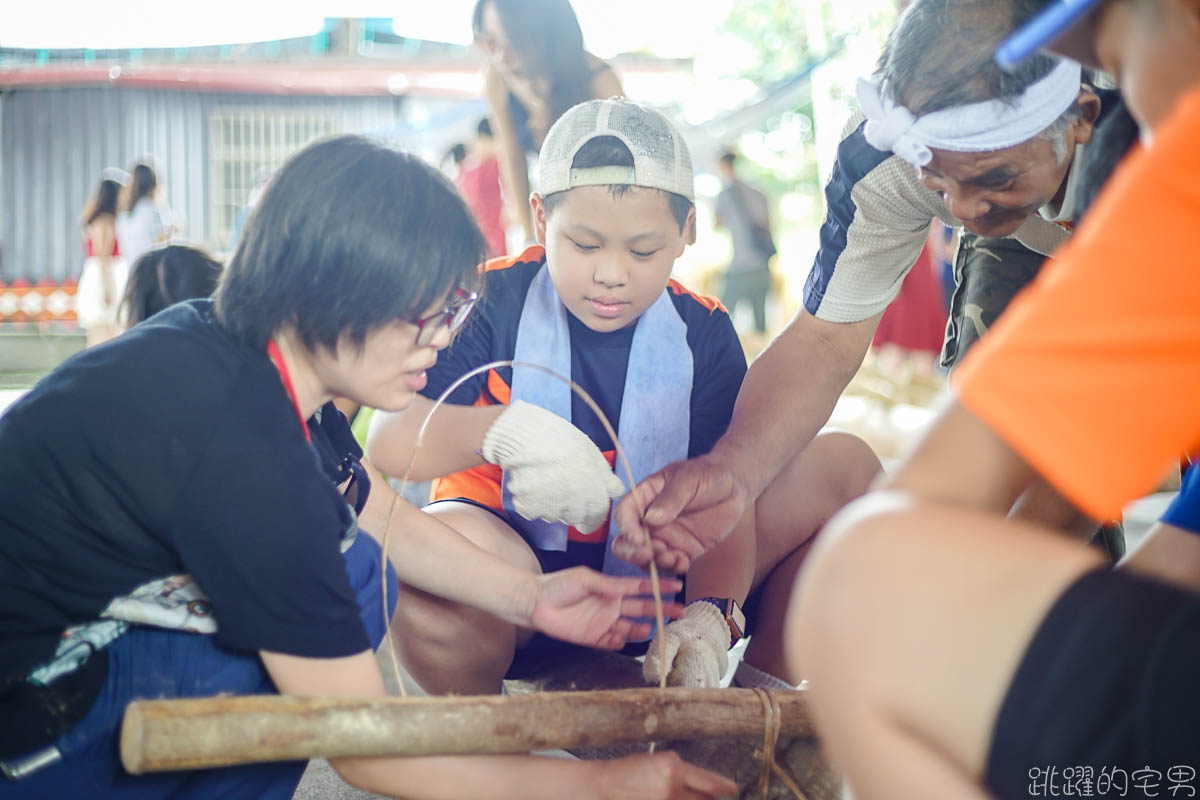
(165, 276)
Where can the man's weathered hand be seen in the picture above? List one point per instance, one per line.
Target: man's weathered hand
(582, 606)
(691, 506)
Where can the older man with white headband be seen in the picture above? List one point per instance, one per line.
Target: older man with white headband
(943, 133)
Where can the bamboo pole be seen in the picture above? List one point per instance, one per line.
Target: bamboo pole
(218, 731)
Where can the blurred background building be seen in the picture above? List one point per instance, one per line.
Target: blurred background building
(217, 95)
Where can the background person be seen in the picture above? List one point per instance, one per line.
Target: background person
(537, 69)
(165, 276)
(104, 270)
(140, 223)
(743, 210)
(261, 179)
(478, 181)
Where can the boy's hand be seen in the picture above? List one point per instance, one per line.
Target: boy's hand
(691, 506)
(696, 649)
(662, 776)
(582, 606)
(555, 472)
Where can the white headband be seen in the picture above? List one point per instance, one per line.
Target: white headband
(975, 128)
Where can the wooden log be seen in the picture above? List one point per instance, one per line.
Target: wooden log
(218, 731)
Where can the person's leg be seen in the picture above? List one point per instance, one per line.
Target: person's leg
(364, 569)
(758, 299)
(150, 662)
(835, 468)
(155, 663)
(989, 274)
(910, 622)
(733, 289)
(448, 647)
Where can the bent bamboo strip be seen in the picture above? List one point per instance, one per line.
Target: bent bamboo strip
(208, 732)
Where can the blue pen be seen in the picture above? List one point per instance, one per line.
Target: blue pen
(1041, 31)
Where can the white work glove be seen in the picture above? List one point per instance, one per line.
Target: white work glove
(555, 472)
(697, 647)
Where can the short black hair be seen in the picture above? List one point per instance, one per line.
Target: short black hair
(728, 157)
(167, 275)
(609, 151)
(349, 235)
(484, 128)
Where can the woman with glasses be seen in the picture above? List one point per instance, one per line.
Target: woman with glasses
(537, 69)
(194, 544)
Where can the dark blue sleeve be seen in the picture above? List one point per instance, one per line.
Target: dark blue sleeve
(720, 366)
(1184, 511)
(855, 160)
(489, 335)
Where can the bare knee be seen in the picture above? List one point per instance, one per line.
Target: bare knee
(835, 468)
(448, 647)
(847, 460)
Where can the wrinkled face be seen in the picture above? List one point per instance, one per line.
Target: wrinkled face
(1152, 48)
(610, 257)
(994, 193)
(388, 370)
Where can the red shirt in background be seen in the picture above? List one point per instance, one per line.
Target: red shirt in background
(479, 184)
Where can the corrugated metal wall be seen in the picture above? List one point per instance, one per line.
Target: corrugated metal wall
(55, 142)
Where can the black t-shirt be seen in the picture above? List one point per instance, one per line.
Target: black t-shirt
(172, 449)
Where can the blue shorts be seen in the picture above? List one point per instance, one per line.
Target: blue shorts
(149, 662)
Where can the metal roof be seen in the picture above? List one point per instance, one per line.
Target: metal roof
(324, 76)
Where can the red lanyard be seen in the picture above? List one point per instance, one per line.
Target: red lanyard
(277, 359)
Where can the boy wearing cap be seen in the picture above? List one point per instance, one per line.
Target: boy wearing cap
(1019, 666)
(528, 467)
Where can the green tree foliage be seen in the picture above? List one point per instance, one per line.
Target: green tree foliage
(784, 38)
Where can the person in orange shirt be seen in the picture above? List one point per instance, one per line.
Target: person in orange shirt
(1017, 664)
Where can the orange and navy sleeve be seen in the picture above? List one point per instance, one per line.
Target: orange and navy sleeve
(719, 366)
(1092, 375)
(489, 335)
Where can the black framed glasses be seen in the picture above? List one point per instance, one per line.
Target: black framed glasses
(451, 317)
